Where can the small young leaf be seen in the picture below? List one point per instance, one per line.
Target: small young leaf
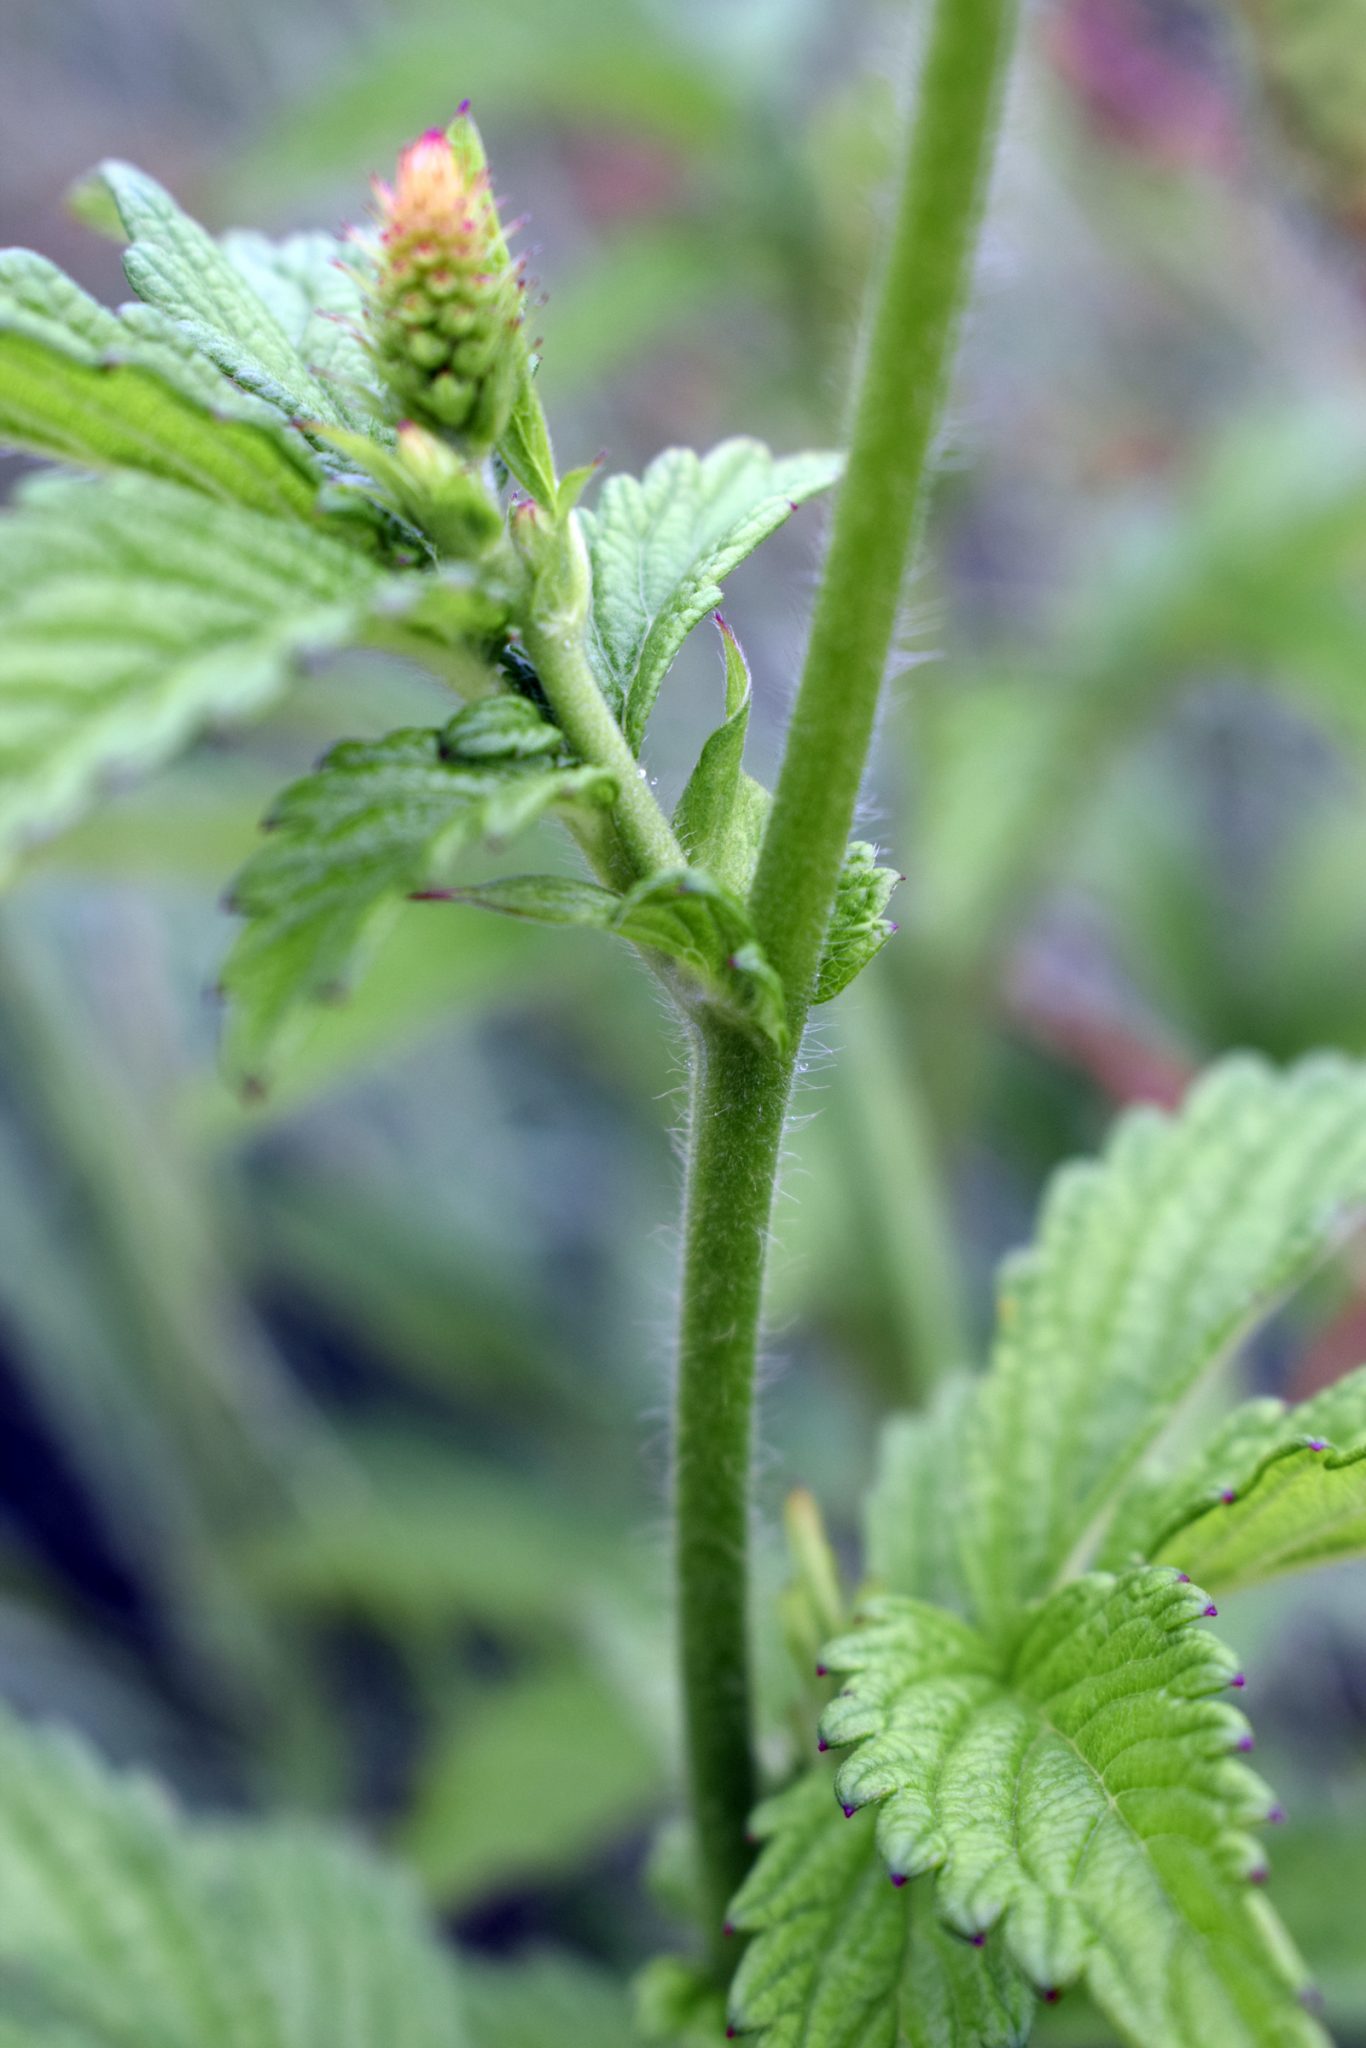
(1277, 1490)
(175, 265)
(683, 913)
(1080, 1804)
(843, 1958)
(88, 387)
(380, 821)
(525, 447)
(1148, 1265)
(661, 546)
(426, 484)
(132, 613)
(721, 814)
(858, 930)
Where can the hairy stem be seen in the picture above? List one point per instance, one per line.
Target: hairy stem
(645, 841)
(741, 1090)
(880, 503)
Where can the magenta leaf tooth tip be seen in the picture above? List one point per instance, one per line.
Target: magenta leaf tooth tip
(1275, 1815)
(1210, 1611)
(822, 1671)
(1238, 1679)
(898, 1878)
(1246, 1744)
(1315, 1443)
(728, 1930)
(977, 1940)
(1228, 1496)
(849, 1812)
(1183, 1578)
(821, 1744)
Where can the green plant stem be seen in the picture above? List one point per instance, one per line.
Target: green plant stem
(741, 1090)
(646, 842)
(880, 503)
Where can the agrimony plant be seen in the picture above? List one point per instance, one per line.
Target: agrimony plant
(285, 448)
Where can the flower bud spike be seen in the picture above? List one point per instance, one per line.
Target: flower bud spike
(445, 297)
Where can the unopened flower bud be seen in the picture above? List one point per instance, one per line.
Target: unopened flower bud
(446, 297)
(556, 555)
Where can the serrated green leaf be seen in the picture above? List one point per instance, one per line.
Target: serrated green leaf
(661, 546)
(41, 302)
(1276, 1490)
(133, 613)
(88, 387)
(314, 292)
(122, 418)
(138, 1928)
(681, 912)
(345, 1952)
(910, 1514)
(722, 812)
(1148, 1265)
(1078, 1800)
(843, 1959)
(175, 265)
(378, 822)
(858, 930)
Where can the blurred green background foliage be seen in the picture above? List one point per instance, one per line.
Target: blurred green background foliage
(332, 1469)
